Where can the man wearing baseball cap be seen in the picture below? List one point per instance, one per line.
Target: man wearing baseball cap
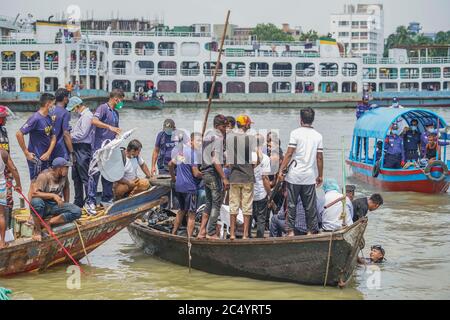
(82, 138)
(50, 196)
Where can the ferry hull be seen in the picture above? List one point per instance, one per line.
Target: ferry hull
(398, 180)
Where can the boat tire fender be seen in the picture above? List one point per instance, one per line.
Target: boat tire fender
(436, 163)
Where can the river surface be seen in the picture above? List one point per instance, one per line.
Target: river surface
(413, 228)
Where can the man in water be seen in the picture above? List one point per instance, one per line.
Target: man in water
(394, 152)
(50, 197)
(106, 123)
(376, 255)
(362, 206)
(411, 141)
(42, 137)
(61, 118)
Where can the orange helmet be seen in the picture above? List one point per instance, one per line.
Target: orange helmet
(243, 120)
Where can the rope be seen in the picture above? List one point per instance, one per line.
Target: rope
(328, 260)
(82, 243)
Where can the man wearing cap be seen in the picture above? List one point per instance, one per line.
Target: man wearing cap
(395, 103)
(376, 255)
(166, 140)
(240, 148)
(394, 152)
(61, 119)
(82, 136)
(50, 196)
(411, 141)
(106, 123)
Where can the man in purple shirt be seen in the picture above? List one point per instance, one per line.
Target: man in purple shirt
(106, 122)
(61, 118)
(42, 137)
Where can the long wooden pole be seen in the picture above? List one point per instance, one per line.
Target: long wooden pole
(216, 69)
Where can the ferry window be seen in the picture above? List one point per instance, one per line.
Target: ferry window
(372, 86)
(447, 72)
(189, 86)
(388, 86)
(167, 68)
(8, 60)
(369, 73)
(235, 87)
(145, 67)
(125, 85)
(349, 69)
(282, 69)
(349, 87)
(217, 88)
(167, 86)
(409, 86)
(343, 23)
(145, 48)
(281, 87)
(304, 87)
(190, 68)
(190, 49)
(210, 66)
(429, 73)
(144, 84)
(8, 84)
(166, 48)
(431, 86)
(258, 87)
(409, 73)
(388, 73)
(235, 69)
(121, 47)
(305, 69)
(259, 69)
(50, 84)
(212, 46)
(446, 85)
(30, 84)
(328, 87)
(328, 69)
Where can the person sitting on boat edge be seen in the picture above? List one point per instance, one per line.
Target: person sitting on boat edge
(335, 216)
(130, 183)
(411, 141)
(47, 194)
(376, 256)
(394, 152)
(432, 151)
(429, 129)
(362, 206)
(6, 163)
(187, 180)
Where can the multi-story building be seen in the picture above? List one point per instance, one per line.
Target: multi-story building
(360, 29)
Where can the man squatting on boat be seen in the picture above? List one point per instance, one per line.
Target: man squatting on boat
(234, 169)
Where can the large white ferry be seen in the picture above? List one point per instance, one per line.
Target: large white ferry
(49, 55)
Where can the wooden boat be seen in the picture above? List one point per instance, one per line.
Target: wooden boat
(300, 259)
(150, 104)
(26, 255)
(374, 126)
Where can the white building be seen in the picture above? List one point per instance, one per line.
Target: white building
(360, 29)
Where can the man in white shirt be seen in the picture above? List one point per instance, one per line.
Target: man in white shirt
(306, 148)
(334, 217)
(130, 183)
(261, 188)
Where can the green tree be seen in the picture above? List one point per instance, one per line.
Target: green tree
(311, 35)
(270, 32)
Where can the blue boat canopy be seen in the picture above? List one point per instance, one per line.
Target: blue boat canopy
(377, 122)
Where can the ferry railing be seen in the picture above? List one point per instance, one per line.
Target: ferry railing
(210, 72)
(146, 71)
(239, 53)
(190, 72)
(167, 72)
(270, 54)
(236, 73)
(73, 65)
(93, 65)
(51, 65)
(370, 76)
(446, 74)
(388, 76)
(328, 73)
(119, 71)
(121, 51)
(35, 65)
(144, 52)
(8, 66)
(409, 76)
(259, 73)
(349, 73)
(166, 52)
(83, 64)
(147, 33)
(282, 73)
(305, 73)
(431, 75)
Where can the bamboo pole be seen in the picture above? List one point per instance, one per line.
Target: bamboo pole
(216, 69)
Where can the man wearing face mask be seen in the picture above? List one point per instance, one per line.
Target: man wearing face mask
(429, 129)
(106, 123)
(394, 153)
(61, 118)
(50, 197)
(411, 141)
(162, 153)
(82, 137)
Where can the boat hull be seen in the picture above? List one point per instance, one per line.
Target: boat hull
(398, 180)
(300, 259)
(151, 104)
(27, 255)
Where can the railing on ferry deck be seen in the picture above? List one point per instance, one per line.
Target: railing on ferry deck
(210, 72)
(282, 73)
(259, 73)
(166, 52)
(92, 65)
(236, 73)
(409, 76)
(121, 51)
(147, 33)
(167, 72)
(349, 73)
(73, 65)
(190, 72)
(83, 64)
(388, 76)
(370, 76)
(328, 73)
(35, 65)
(431, 75)
(146, 71)
(446, 74)
(239, 53)
(305, 73)
(144, 52)
(51, 65)
(119, 71)
(416, 60)
(8, 66)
